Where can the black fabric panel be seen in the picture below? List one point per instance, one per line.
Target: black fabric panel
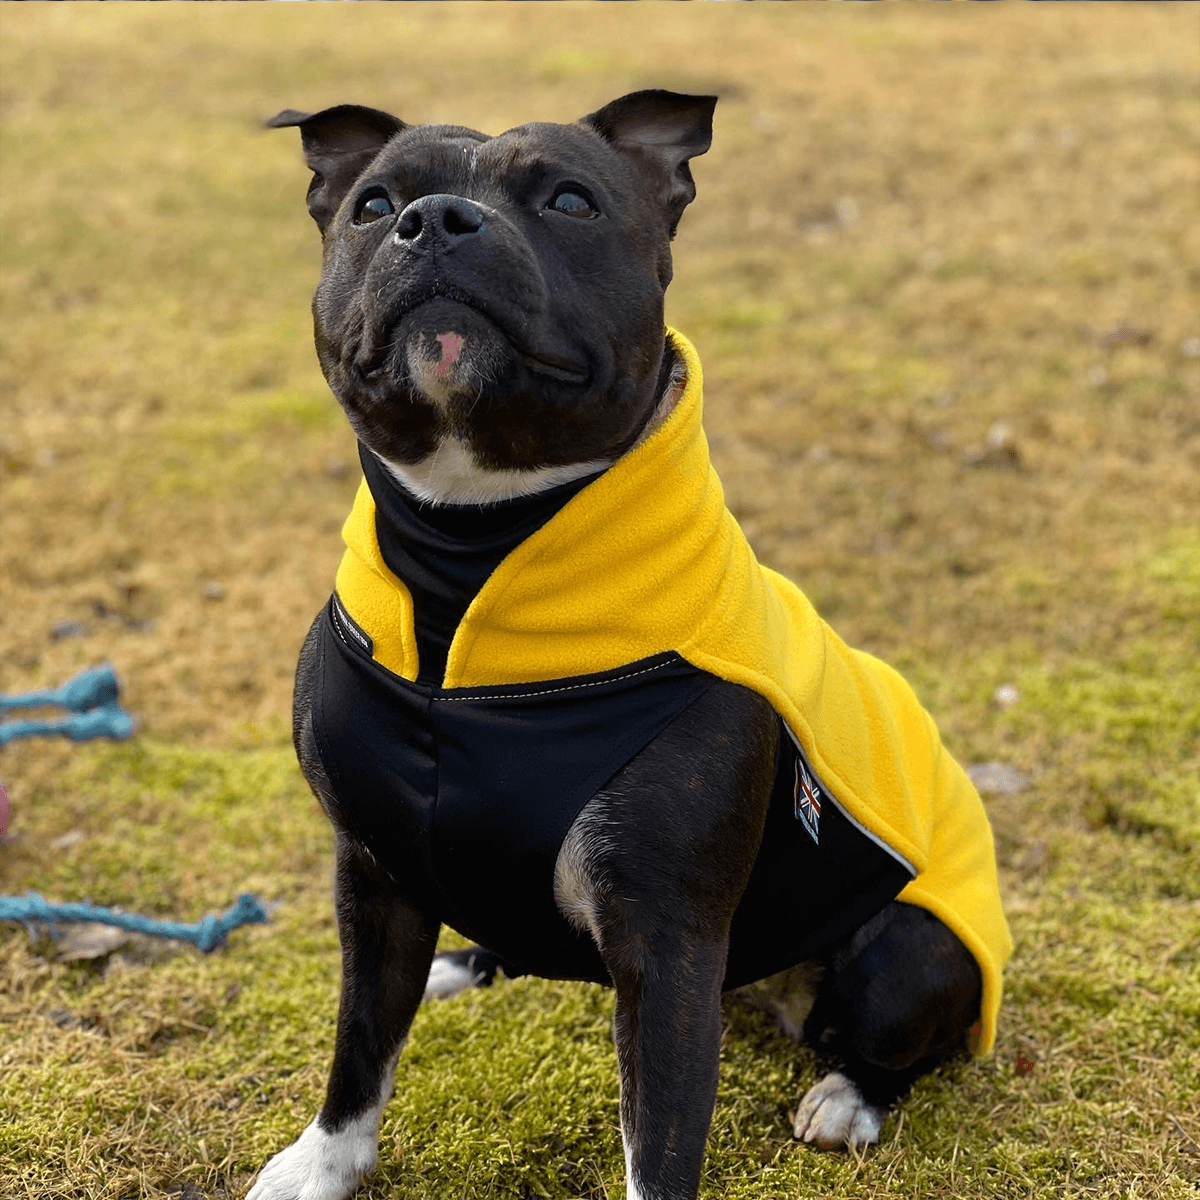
(376, 741)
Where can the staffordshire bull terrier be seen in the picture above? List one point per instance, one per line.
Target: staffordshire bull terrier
(554, 701)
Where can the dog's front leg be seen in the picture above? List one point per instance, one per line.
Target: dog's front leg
(387, 948)
(653, 868)
(667, 1028)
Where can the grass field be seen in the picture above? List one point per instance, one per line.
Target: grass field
(942, 271)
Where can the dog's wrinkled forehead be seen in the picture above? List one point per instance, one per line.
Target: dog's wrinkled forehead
(423, 159)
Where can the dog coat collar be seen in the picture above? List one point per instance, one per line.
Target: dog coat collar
(646, 560)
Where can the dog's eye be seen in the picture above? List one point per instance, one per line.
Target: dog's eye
(573, 203)
(372, 208)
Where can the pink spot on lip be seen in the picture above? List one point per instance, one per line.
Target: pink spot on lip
(452, 344)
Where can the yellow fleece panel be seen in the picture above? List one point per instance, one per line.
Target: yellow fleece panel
(376, 599)
(647, 558)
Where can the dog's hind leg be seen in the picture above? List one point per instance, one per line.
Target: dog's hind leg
(387, 948)
(897, 998)
(455, 971)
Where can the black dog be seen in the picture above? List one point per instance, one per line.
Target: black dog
(555, 702)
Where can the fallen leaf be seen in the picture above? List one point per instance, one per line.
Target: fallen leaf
(78, 940)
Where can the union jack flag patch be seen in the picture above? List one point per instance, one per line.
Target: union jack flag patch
(807, 801)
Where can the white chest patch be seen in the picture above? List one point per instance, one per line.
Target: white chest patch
(451, 475)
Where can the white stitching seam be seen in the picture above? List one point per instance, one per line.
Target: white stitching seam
(573, 687)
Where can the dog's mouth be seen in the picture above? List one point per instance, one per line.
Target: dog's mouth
(563, 370)
(443, 316)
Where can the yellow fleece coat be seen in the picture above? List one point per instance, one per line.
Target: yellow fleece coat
(647, 559)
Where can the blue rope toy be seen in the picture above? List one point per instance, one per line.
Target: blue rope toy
(206, 934)
(90, 697)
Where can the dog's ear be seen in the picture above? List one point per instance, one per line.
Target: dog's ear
(662, 131)
(338, 144)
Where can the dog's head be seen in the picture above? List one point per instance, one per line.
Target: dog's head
(499, 296)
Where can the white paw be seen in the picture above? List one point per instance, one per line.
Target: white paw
(833, 1113)
(320, 1165)
(448, 977)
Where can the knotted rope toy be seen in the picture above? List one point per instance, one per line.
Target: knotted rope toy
(94, 711)
(90, 697)
(207, 934)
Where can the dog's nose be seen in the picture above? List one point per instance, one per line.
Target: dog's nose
(439, 218)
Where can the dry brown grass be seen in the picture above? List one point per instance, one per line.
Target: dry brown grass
(920, 227)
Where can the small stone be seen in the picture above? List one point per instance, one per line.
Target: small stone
(68, 629)
(845, 211)
(214, 590)
(1127, 335)
(186, 1191)
(999, 449)
(1035, 859)
(1006, 695)
(999, 436)
(1190, 347)
(67, 840)
(65, 1019)
(998, 779)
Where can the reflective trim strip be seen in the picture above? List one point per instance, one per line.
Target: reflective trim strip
(348, 627)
